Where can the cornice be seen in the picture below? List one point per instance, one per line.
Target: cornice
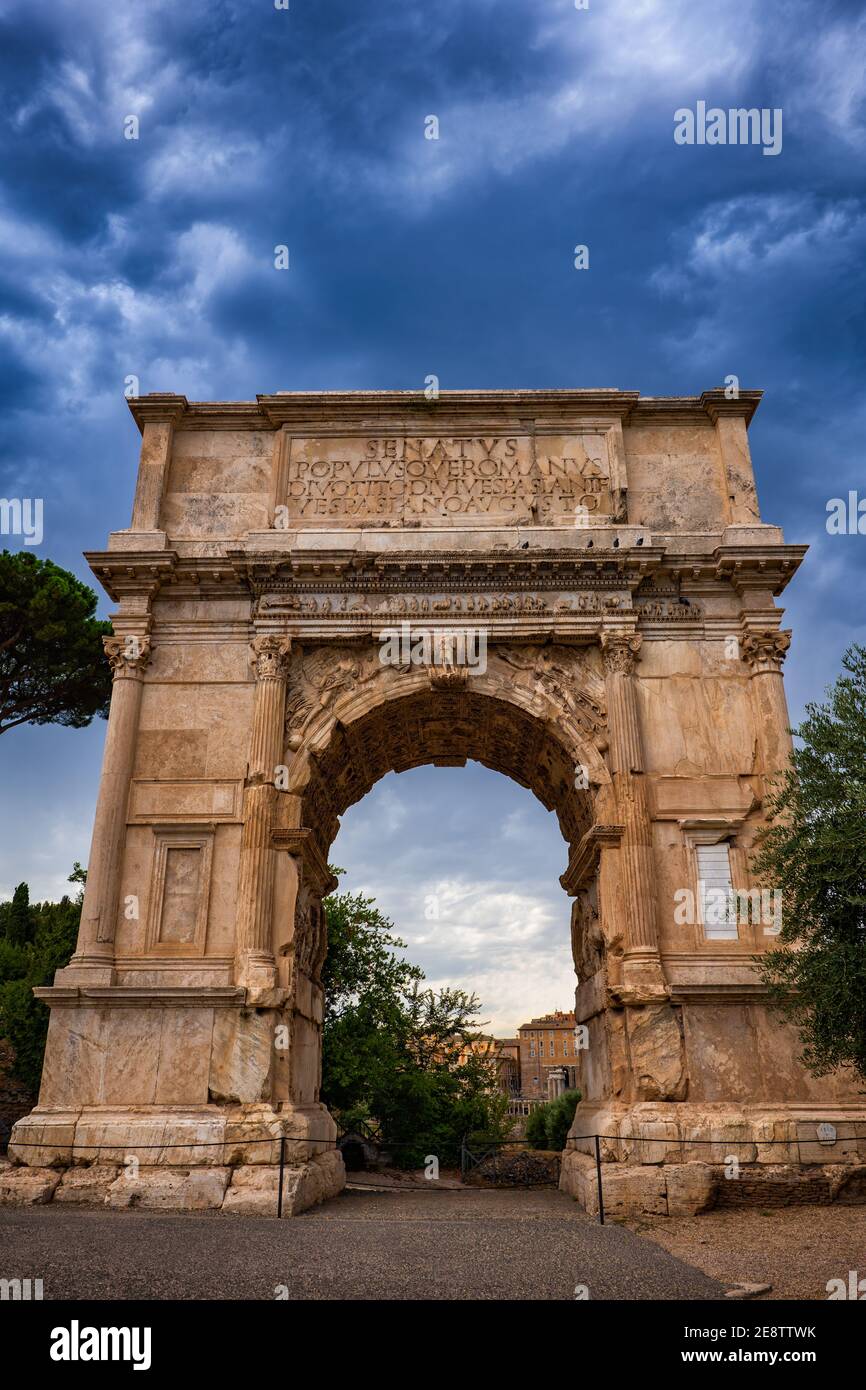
(125, 572)
(747, 568)
(183, 996)
(741, 991)
(373, 409)
(368, 411)
(158, 408)
(396, 569)
(751, 567)
(717, 404)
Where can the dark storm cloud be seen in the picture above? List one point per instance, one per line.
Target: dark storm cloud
(154, 257)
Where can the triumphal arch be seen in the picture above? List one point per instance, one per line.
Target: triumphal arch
(574, 588)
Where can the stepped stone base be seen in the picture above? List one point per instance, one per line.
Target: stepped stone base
(248, 1190)
(686, 1189)
(212, 1158)
(676, 1159)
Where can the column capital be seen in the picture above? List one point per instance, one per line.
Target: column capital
(621, 652)
(765, 650)
(269, 655)
(127, 656)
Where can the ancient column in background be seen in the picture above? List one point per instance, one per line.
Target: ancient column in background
(642, 974)
(255, 964)
(93, 961)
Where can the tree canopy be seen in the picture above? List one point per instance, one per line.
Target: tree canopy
(395, 1055)
(35, 940)
(52, 665)
(814, 852)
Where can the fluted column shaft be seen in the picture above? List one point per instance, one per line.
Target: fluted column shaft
(256, 966)
(636, 860)
(95, 949)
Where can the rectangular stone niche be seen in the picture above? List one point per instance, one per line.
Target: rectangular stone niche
(180, 890)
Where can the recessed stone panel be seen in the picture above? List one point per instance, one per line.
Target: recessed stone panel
(425, 479)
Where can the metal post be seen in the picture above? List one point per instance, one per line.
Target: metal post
(282, 1170)
(598, 1176)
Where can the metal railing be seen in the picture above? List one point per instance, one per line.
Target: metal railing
(466, 1157)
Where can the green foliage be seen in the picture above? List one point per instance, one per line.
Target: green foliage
(535, 1129)
(547, 1125)
(13, 960)
(35, 940)
(52, 665)
(814, 852)
(17, 924)
(394, 1055)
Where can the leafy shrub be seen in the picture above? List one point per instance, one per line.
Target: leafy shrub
(548, 1125)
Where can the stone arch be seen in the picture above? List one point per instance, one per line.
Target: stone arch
(535, 714)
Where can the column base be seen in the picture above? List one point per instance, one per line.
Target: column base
(642, 980)
(257, 974)
(85, 971)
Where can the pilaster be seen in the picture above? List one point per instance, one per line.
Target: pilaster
(93, 960)
(255, 963)
(642, 977)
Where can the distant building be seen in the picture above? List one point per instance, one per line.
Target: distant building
(509, 1066)
(504, 1055)
(548, 1055)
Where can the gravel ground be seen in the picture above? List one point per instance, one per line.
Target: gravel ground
(404, 1245)
(796, 1249)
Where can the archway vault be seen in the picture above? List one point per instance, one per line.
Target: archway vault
(535, 714)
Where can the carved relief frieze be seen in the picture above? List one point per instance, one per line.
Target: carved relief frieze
(338, 607)
(670, 611)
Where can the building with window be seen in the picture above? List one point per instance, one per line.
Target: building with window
(547, 1045)
(503, 1055)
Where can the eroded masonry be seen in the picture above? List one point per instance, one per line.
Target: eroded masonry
(609, 551)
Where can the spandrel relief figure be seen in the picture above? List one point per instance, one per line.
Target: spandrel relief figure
(587, 940)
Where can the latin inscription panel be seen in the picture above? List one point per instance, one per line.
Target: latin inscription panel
(413, 480)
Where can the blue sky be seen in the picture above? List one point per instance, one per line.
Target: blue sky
(258, 127)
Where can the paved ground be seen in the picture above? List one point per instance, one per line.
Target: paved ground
(393, 1245)
(796, 1249)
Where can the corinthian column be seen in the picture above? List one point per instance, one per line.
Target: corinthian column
(642, 975)
(255, 965)
(93, 961)
(764, 649)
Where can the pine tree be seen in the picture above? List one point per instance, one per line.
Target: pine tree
(17, 922)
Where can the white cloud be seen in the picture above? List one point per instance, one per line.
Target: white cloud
(765, 234)
(87, 313)
(609, 68)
